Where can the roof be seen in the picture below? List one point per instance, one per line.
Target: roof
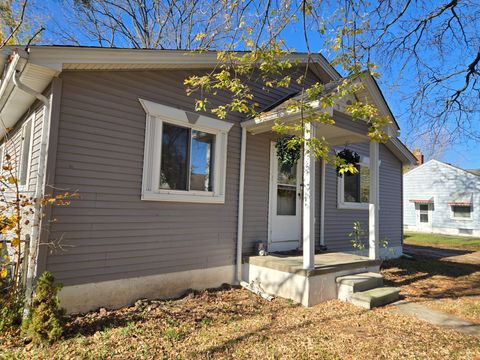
(371, 94)
(36, 67)
(474, 171)
(467, 172)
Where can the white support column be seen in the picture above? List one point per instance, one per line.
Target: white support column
(308, 203)
(241, 192)
(373, 215)
(322, 205)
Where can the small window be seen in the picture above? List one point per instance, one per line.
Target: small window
(186, 162)
(26, 153)
(423, 208)
(354, 189)
(185, 156)
(461, 212)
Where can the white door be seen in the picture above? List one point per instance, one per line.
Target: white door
(285, 204)
(424, 217)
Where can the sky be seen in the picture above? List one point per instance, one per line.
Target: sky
(464, 154)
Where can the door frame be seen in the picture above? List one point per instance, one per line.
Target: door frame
(272, 194)
(423, 227)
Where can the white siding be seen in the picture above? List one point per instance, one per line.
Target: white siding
(441, 182)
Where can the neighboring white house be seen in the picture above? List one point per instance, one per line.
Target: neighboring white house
(441, 198)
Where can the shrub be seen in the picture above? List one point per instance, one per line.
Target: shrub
(10, 314)
(46, 319)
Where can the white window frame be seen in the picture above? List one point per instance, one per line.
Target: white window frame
(157, 114)
(24, 187)
(341, 203)
(428, 213)
(452, 213)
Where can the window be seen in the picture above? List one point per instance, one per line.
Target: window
(423, 212)
(354, 189)
(185, 156)
(24, 167)
(461, 212)
(287, 189)
(186, 162)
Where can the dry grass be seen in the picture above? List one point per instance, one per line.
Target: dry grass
(234, 323)
(449, 286)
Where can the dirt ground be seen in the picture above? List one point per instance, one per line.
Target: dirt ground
(235, 324)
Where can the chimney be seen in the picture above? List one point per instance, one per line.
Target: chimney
(418, 154)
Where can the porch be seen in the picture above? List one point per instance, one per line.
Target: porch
(285, 275)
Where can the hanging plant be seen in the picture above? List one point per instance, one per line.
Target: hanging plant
(350, 157)
(288, 151)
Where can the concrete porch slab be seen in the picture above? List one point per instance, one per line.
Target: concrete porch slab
(283, 276)
(324, 263)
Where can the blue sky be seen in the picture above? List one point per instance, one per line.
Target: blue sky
(464, 154)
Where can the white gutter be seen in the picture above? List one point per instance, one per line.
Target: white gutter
(241, 191)
(8, 76)
(40, 183)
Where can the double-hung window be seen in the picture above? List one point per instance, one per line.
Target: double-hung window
(354, 189)
(185, 156)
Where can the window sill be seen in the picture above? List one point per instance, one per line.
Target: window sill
(461, 219)
(187, 197)
(353, 206)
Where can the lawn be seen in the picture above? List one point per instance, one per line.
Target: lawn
(445, 241)
(234, 323)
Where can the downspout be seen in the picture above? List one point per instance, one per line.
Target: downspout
(39, 186)
(241, 193)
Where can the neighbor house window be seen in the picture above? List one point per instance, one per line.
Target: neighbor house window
(26, 152)
(461, 212)
(423, 212)
(354, 189)
(185, 156)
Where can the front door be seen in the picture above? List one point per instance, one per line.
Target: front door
(285, 204)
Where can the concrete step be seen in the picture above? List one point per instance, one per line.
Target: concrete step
(375, 297)
(350, 284)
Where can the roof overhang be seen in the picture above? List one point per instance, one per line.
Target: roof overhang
(60, 58)
(14, 102)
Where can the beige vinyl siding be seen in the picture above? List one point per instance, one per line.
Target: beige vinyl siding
(109, 233)
(339, 222)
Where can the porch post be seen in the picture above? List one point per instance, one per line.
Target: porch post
(373, 214)
(322, 205)
(308, 202)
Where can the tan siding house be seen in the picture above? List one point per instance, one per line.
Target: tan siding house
(121, 131)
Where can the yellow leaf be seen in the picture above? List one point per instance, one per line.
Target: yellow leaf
(11, 180)
(15, 242)
(3, 273)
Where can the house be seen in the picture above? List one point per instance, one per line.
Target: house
(172, 199)
(441, 198)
